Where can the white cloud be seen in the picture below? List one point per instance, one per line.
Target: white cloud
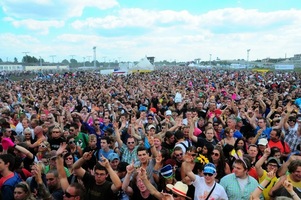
(224, 33)
(52, 9)
(41, 27)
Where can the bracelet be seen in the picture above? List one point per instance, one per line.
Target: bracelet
(260, 187)
(155, 171)
(293, 194)
(268, 179)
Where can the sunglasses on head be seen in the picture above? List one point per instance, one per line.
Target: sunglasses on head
(68, 195)
(207, 174)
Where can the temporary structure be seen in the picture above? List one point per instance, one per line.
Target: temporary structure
(143, 65)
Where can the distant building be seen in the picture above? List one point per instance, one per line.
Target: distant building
(11, 67)
(297, 57)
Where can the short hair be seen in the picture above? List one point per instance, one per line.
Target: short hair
(142, 148)
(179, 134)
(54, 172)
(108, 139)
(292, 167)
(278, 132)
(74, 125)
(79, 190)
(246, 162)
(92, 137)
(158, 137)
(8, 158)
(169, 134)
(178, 148)
(98, 166)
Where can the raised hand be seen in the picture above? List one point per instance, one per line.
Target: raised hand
(104, 162)
(288, 186)
(88, 155)
(130, 168)
(61, 149)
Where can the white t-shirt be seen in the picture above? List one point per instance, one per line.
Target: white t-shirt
(202, 190)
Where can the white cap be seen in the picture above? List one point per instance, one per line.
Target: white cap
(168, 112)
(263, 141)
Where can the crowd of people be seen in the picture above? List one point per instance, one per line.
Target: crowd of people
(175, 133)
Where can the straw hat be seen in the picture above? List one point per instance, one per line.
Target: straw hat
(179, 188)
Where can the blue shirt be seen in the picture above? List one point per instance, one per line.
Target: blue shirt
(265, 133)
(233, 190)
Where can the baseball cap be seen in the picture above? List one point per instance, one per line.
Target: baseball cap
(166, 171)
(151, 126)
(113, 156)
(274, 160)
(209, 168)
(263, 141)
(168, 112)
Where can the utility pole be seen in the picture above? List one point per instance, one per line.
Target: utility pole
(84, 59)
(210, 59)
(40, 61)
(94, 51)
(52, 56)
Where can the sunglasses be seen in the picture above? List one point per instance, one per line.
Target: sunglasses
(68, 195)
(150, 118)
(42, 146)
(131, 142)
(180, 154)
(71, 142)
(71, 130)
(215, 154)
(55, 132)
(193, 154)
(207, 174)
(69, 158)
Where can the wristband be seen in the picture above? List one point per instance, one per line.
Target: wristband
(260, 187)
(268, 179)
(293, 194)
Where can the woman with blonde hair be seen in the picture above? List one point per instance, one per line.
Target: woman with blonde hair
(22, 192)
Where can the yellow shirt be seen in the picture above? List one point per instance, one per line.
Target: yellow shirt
(295, 184)
(266, 190)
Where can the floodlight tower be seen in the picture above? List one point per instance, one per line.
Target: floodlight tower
(94, 51)
(52, 56)
(248, 53)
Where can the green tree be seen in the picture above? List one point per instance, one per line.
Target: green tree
(15, 60)
(1, 61)
(65, 62)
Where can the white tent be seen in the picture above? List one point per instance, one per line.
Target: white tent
(143, 66)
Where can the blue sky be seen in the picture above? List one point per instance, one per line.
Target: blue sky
(127, 30)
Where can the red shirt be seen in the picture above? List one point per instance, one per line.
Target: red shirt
(283, 146)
